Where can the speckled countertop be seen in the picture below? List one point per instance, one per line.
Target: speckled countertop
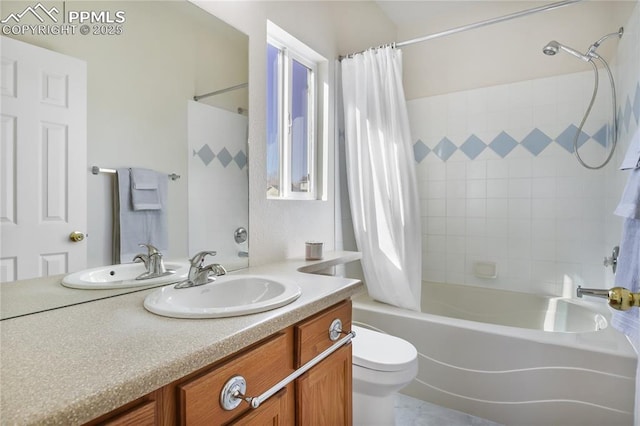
(70, 365)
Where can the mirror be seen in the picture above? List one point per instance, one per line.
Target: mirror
(145, 62)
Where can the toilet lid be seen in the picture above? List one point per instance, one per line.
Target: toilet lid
(381, 352)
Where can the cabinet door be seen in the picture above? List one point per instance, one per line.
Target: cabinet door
(323, 394)
(273, 412)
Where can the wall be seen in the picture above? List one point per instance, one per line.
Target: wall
(139, 83)
(277, 228)
(499, 182)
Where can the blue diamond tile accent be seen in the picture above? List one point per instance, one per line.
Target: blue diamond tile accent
(536, 141)
(206, 155)
(224, 157)
(601, 135)
(420, 150)
(565, 139)
(444, 149)
(473, 147)
(503, 144)
(636, 104)
(240, 159)
(627, 114)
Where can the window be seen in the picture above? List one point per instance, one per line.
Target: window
(292, 115)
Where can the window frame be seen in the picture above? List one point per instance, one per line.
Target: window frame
(289, 50)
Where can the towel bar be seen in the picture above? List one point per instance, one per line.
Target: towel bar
(95, 170)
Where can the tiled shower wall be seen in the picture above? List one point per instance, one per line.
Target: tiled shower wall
(499, 183)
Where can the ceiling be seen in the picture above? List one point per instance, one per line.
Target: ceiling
(432, 13)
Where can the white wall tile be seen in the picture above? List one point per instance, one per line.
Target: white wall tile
(456, 189)
(497, 169)
(520, 208)
(477, 188)
(455, 244)
(455, 170)
(455, 226)
(476, 169)
(543, 187)
(436, 226)
(456, 207)
(476, 208)
(435, 207)
(497, 208)
(497, 188)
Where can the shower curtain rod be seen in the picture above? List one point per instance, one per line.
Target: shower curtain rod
(475, 25)
(221, 91)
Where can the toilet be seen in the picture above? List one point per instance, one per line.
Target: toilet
(382, 365)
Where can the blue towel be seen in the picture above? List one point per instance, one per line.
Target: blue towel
(147, 187)
(628, 269)
(629, 206)
(132, 227)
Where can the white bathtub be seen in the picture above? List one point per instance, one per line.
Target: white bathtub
(514, 358)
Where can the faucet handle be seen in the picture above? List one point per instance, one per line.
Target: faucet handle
(150, 249)
(199, 257)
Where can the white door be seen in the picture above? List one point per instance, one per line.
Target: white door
(43, 161)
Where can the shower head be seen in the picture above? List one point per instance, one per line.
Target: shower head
(551, 48)
(554, 47)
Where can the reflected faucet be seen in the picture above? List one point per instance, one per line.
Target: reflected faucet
(199, 274)
(152, 262)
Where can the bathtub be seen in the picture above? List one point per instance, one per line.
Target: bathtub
(514, 358)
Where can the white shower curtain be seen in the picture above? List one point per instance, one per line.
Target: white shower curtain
(381, 176)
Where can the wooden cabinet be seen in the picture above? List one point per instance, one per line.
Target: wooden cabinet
(323, 394)
(320, 396)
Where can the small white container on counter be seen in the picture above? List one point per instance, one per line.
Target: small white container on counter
(313, 250)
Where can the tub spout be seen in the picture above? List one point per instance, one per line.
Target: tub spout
(595, 292)
(619, 297)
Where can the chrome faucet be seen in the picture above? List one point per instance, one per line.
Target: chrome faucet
(199, 274)
(152, 262)
(595, 292)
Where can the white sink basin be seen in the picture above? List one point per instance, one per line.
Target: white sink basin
(228, 296)
(122, 276)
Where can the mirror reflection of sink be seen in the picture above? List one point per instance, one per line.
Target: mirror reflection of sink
(122, 276)
(228, 296)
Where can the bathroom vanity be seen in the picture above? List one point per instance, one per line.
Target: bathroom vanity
(112, 362)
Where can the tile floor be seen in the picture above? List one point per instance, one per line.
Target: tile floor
(414, 412)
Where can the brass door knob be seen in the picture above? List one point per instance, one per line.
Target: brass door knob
(76, 236)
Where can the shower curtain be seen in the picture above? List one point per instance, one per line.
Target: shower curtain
(381, 176)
